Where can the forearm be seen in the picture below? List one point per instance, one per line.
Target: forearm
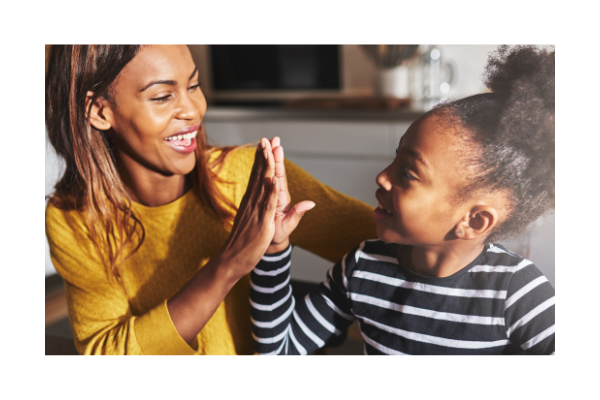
(193, 306)
(279, 325)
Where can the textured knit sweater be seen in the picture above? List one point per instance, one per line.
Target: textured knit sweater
(180, 238)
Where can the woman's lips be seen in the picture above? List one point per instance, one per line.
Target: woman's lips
(184, 146)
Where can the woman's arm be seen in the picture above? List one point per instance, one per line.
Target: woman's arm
(279, 325)
(100, 314)
(251, 234)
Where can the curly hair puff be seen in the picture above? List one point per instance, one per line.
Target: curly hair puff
(510, 134)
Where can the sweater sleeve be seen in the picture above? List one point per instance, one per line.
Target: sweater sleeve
(99, 313)
(529, 310)
(282, 326)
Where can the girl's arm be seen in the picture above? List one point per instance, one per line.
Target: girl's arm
(282, 326)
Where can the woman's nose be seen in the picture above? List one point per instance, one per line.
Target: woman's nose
(383, 179)
(188, 108)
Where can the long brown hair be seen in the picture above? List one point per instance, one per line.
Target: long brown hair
(91, 184)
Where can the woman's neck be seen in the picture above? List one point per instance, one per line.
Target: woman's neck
(439, 262)
(150, 188)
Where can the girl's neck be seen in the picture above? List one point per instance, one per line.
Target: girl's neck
(439, 262)
(151, 188)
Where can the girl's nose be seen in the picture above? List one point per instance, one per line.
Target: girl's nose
(383, 179)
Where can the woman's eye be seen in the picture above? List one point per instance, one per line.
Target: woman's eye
(195, 86)
(160, 99)
(408, 175)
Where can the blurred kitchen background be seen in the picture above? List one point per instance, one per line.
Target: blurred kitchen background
(340, 111)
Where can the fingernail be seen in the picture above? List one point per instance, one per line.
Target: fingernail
(311, 207)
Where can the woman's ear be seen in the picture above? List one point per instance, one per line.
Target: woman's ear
(99, 114)
(478, 223)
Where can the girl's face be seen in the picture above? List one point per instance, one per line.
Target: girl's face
(416, 190)
(156, 111)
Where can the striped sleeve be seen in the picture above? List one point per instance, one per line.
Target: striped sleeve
(280, 325)
(529, 311)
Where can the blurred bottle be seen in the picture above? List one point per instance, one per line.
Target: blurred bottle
(431, 78)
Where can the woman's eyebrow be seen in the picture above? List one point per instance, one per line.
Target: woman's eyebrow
(167, 82)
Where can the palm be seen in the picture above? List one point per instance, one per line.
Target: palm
(286, 216)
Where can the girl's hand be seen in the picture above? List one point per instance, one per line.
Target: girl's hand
(286, 217)
(254, 224)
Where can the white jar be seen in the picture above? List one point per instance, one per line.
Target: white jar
(392, 82)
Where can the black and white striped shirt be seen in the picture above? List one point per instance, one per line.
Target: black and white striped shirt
(499, 304)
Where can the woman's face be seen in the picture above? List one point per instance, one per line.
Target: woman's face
(416, 191)
(156, 110)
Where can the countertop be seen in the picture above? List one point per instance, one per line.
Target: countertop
(229, 113)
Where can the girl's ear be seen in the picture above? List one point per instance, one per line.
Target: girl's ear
(478, 223)
(99, 114)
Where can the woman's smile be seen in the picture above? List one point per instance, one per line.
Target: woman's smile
(184, 141)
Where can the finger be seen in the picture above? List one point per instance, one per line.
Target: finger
(256, 175)
(284, 197)
(271, 203)
(275, 142)
(266, 146)
(270, 167)
(293, 217)
(279, 164)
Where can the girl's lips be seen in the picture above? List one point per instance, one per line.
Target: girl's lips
(380, 214)
(184, 146)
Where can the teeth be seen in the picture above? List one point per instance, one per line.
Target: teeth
(186, 136)
(382, 207)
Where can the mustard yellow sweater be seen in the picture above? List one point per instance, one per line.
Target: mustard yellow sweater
(180, 238)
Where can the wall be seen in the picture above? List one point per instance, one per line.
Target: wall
(54, 170)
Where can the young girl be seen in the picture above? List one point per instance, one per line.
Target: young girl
(467, 174)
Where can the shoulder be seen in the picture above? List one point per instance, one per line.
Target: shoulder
(239, 156)
(71, 250)
(61, 223)
(237, 164)
(372, 252)
(525, 282)
(499, 259)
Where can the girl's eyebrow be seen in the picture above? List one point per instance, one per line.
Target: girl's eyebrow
(417, 156)
(167, 82)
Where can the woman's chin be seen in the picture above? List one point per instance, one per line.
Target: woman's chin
(183, 168)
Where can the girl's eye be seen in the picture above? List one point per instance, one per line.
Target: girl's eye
(408, 175)
(195, 86)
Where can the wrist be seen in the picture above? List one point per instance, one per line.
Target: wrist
(228, 268)
(278, 247)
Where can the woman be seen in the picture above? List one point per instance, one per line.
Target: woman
(141, 226)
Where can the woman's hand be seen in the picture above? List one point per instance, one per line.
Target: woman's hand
(251, 234)
(286, 217)
(254, 224)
